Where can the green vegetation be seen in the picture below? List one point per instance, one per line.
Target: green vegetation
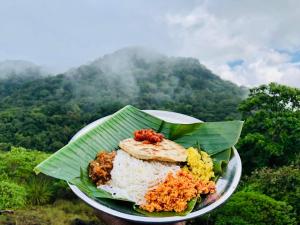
(21, 185)
(61, 212)
(269, 147)
(18, 163)
(44, 112)
(281, 184)
(21, 189)
(271, 132)
(13, 196)
(251, 208)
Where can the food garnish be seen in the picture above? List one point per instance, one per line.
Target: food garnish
(148, 136)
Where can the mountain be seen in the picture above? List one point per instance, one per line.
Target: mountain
(44, 112)
(20, 68)
(14, 73)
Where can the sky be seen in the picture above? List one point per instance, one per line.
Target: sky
(249, 42)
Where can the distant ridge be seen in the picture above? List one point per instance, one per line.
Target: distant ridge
(44, 112)
(20, 68)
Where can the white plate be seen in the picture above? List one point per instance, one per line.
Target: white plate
(226, 184)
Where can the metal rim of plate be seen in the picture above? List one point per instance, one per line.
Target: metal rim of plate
(226, 184)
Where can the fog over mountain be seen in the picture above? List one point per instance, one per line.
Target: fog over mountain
(20, 68)
(43, 112)
(247, 42)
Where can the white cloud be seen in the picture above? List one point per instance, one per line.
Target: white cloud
(229, 31)
(269, 66)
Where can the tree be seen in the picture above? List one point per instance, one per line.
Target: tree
(271, 133)
(251, 208)
(281, 184)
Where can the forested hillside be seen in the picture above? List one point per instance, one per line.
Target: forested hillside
(268, 193)
(43, 112)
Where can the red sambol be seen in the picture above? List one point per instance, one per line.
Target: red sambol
(148, 136)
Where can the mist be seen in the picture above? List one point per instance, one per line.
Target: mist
(67, 34)
(117, 76)
(21, 69)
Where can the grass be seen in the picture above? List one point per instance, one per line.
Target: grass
(62, 212)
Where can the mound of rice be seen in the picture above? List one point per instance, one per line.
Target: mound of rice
(131, 178)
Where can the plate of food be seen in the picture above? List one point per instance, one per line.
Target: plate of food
(150, 166)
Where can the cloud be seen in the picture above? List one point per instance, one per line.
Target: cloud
(21, 68)
(271, 67)
(263, 35)
(263, 38)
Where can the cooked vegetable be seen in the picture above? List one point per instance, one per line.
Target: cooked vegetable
(200, 164)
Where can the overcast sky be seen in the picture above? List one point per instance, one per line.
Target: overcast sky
(248, 42)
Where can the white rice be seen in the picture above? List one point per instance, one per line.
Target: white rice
(131, 178)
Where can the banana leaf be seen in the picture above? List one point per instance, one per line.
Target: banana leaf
(220, 161)
(68, 163)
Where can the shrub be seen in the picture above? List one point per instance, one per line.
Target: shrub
(31, 218)
(3, 177)
(12, 195)
(281, 184)
(61, 190)
(39, 190)
(61, 212)
(18, 163)
(5, 146)
(252, 208)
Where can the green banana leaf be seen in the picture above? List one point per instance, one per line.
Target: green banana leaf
(220, 161)
(88, 187)
(68, 163)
